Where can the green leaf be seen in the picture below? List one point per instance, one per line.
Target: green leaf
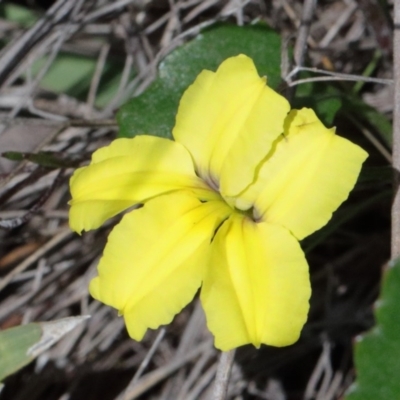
(377, 353)
(20, 345)
(325, 105)
(14, 346)
(21, 15)
(46, 159)
(368, 70)
(70, 74)
(109, 86)
(324, 99)
(154, 111)
(361, 113)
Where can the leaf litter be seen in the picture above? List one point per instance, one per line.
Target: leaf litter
(45, 268)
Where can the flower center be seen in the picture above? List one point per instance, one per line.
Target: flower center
(212, 182)
(248, 213)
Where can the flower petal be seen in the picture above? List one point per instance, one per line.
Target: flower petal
(228, 121)
(257, 289)
(306, 177)
(127, 172)
(155, 259)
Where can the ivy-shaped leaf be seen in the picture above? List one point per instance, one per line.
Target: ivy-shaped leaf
(154, 111)
(377, 353)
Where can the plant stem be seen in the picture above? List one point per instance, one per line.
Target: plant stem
(223, 373)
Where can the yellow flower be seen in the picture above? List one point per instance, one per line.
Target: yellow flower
(224, 207)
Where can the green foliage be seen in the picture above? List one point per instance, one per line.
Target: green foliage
(18, 14)
(45, 159)
(21, 344)
(363, 114)
(72, 74)
(69, 74)
(368, 71)
(325, 100)
(377, 353)
(109, 86)
(154, 111)
(14, 347)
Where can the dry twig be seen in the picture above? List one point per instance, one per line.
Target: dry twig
(396, 135)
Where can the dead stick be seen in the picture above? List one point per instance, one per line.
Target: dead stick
(304, 29)
(396, 134)
(152, 378)
(223, 374)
